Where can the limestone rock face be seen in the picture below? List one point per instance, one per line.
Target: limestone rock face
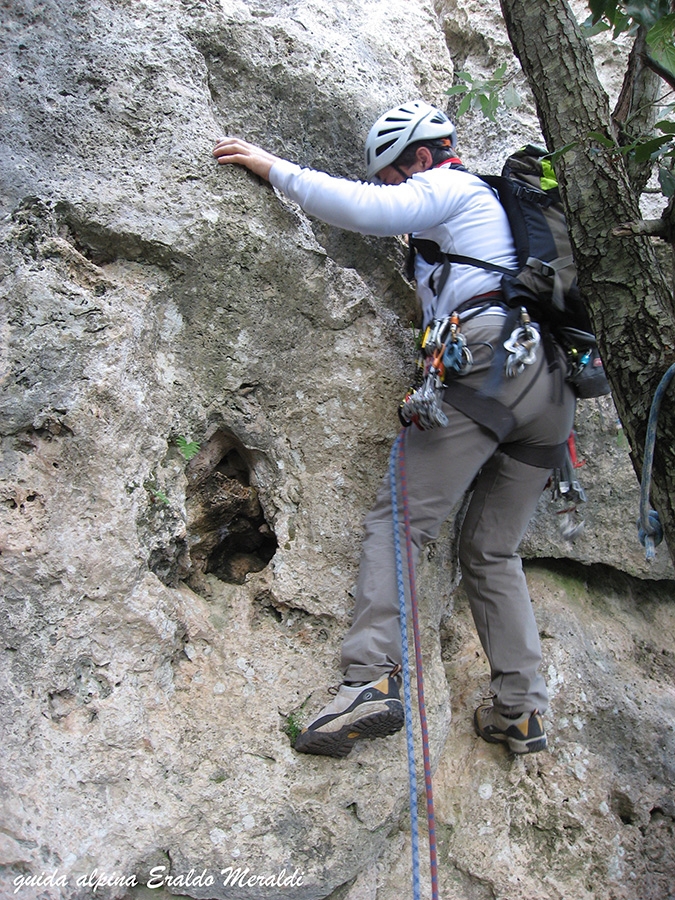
(171, 613)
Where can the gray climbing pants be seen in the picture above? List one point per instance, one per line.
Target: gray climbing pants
(441, 465)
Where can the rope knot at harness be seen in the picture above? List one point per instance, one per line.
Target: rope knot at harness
(650, 530)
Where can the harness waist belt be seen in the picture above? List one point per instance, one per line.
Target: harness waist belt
(481, 303)
(489, 295)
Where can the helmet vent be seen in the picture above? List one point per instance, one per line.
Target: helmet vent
(384, 147)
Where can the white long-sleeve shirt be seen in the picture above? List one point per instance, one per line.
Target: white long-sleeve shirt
(453, 208)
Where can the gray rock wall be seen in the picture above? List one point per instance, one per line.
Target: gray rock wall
(167, 622)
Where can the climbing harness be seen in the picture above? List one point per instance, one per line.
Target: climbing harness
(650, 530)
(397, 476)
(444, 351)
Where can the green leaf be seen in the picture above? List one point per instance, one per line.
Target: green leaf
(662, 31)
(189, 449)
(487, 107)
(627, 149)
(621, 23)
(626, 16)
(601, 139)
(555, 156)
(512, 98)
(464, 105)
(591, 28)
(666, 126)
(645, 150)
(457, 89)
(665, 54)
(660, 39)
(465, 76)
(600, 8)
(667, 181)
(159, 496)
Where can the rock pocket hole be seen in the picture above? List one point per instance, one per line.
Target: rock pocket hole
(228, 534)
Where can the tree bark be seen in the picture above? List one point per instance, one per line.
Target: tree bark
(629, 300)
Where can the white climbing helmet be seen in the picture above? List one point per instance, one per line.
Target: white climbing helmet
(396, 129)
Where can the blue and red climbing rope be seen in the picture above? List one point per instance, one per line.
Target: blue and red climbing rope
(398, 480)
(650, 531)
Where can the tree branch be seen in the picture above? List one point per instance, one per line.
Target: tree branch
(635, 110)
(663, 228)
(659, 70)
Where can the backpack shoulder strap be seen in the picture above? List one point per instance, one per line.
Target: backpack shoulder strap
(478, 263)
(503, 189)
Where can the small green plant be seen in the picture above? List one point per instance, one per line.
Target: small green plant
(658, 20)
(292, 727)
(292, 722)
(661, 150)
(486, 94)
(157, 495)
(189, 449)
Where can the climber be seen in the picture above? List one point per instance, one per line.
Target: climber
(501, 444)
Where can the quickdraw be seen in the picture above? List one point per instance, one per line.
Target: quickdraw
(565, 487)
(443, 348)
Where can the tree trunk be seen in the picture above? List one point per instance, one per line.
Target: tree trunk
(628, 295)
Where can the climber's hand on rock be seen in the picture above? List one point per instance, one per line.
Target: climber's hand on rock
(234, 150)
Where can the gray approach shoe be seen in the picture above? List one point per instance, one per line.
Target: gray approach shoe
(368, 711)
(523, 734)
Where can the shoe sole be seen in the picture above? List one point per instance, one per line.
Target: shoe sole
(519, 747)
(338, 744)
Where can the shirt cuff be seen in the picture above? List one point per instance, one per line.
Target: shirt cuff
(281, 174)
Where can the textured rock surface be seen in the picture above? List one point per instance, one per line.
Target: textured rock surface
(166, 623)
